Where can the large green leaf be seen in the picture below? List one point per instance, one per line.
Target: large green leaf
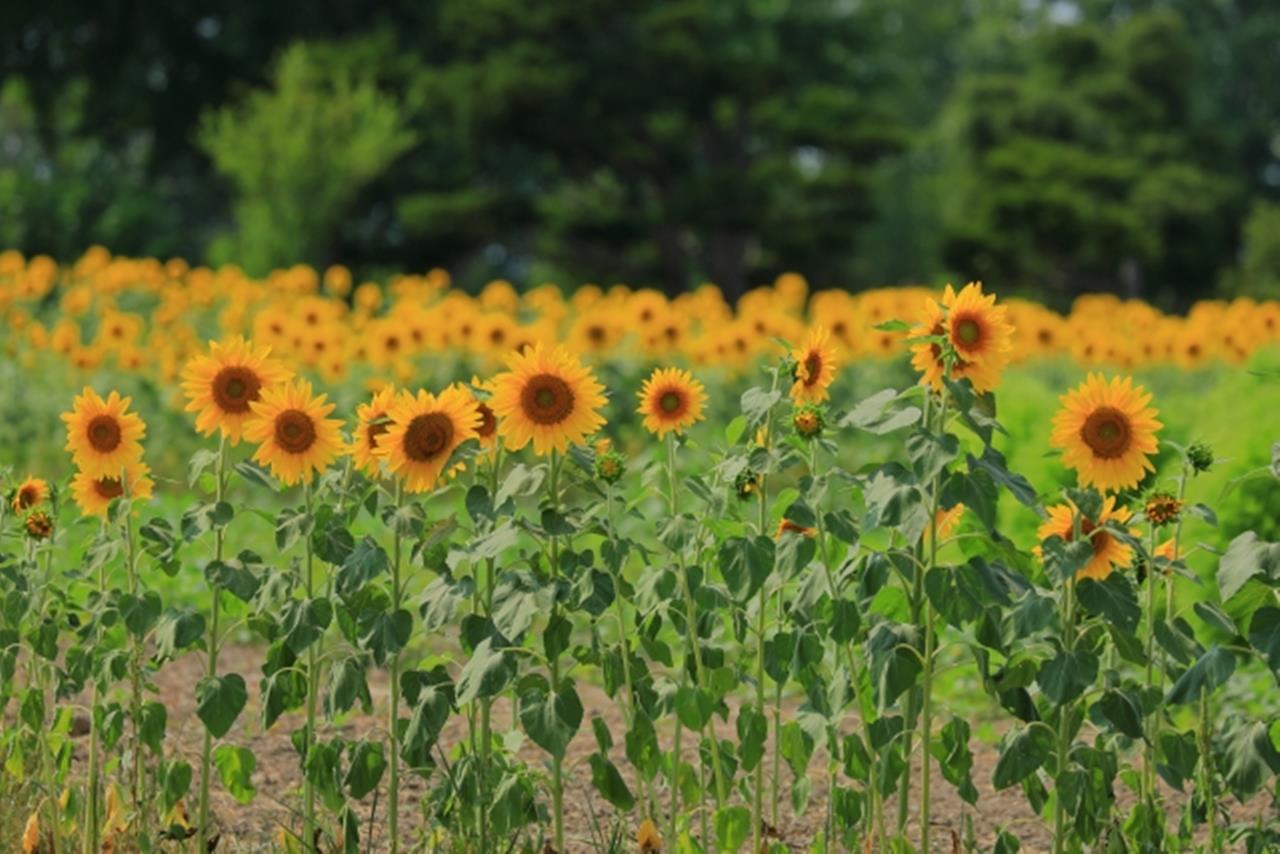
(551, 719)
(1113, 599)
(1067, 675)
(486, 673)
(1246, 557)
(365, 768)
(1249, 755)
(955, 760)
(609, 783)
(235, 768)
(219, 701)
(1264, 634)
(745, 563)
(1209, 671)
(1025, 750)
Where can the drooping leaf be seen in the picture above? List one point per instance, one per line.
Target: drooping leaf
(235, 768)
(219, 701)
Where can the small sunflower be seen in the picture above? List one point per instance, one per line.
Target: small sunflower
(648, 840)
(671, 400)
(222, 385)
(103, 436)
(977, 331)
(424, 432)
(1108, 552)
(293, 435)
(39, 525)
(487, 432)
(808, 420)
(29, 494)
(372, 422)
(548, 397)
(1106, 431)
(95, 494)
(815, 367)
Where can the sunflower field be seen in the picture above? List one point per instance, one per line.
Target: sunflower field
(302, 563)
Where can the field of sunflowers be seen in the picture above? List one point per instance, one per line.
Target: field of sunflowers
(303, 563)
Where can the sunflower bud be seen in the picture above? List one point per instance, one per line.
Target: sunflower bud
(808, 421)
(746, 484)
(1163, 509)
(1200, 457)
(610, 466)
(647, 838)
(39, 526)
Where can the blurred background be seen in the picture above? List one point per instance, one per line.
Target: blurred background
(1048, 148)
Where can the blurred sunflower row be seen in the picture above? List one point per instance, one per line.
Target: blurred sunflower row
(151, 316)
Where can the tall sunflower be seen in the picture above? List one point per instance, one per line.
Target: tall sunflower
(815, 368)
(1106, 431)
(103, 436)
(221, 385)
(548, 397)
(29, 494)
(424, 432)
(1108, 552)
(95, 494)
(977, 331)
(372, 422)
(293, 435)
(671, 400)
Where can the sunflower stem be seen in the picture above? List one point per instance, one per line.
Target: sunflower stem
(206, 750)
(92, 830)
(140, 809)
(557, 761)
(309, 831)
(393, 710)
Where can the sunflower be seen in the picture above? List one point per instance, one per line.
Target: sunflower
(293, 435)
(221, 386)
(29, 494)
(1108, 552)
(95, 494)
(1106, 430)
(372, 422)
(102, 435)
(815, 367)
(487, 432)
(671, 400)
(977, 331)
(424, 432)
(546, 396)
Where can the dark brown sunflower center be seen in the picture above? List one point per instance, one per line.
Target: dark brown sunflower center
(295, 431)
(1107, 432)
(488, 421)
(671, 401)
(546, 399)
(27, 496)
(812, 368)
(104, 433)
(968, 331)
(376, 428)
(427, 437)
(596, 334)
(109, 487)
(234, 388)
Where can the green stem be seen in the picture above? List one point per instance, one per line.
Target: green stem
(393, 710)
(1207, 784)
(1148, 752)
(926, 712)
(691, 618)
(313, 677)
(1064, 720)
(92, 829)
(206, 751)
(557, 761)
(486, 704)
(757, 807)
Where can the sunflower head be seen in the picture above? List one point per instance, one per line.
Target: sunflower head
(1200, 457)
(1106, 432)
(808, 420)
(1162, 509)
(814, 367)
(103, 436)
(295, 438)
(29, 494)
(372, 423)
(96, 494)
(1108, 551)
(609, 464)
(967, 332)
(547, 397)
(39, 525)
(671, 400)
(222, 385)
(424, 432)
(648, 840)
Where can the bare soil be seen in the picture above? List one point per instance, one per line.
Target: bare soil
(255, 827)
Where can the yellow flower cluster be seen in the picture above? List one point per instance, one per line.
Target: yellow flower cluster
(153, 316)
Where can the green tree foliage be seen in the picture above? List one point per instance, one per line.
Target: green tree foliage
(298, 154)
(1082, 168)
(1259, 272)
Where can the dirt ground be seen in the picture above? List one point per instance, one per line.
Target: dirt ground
(254, 827)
